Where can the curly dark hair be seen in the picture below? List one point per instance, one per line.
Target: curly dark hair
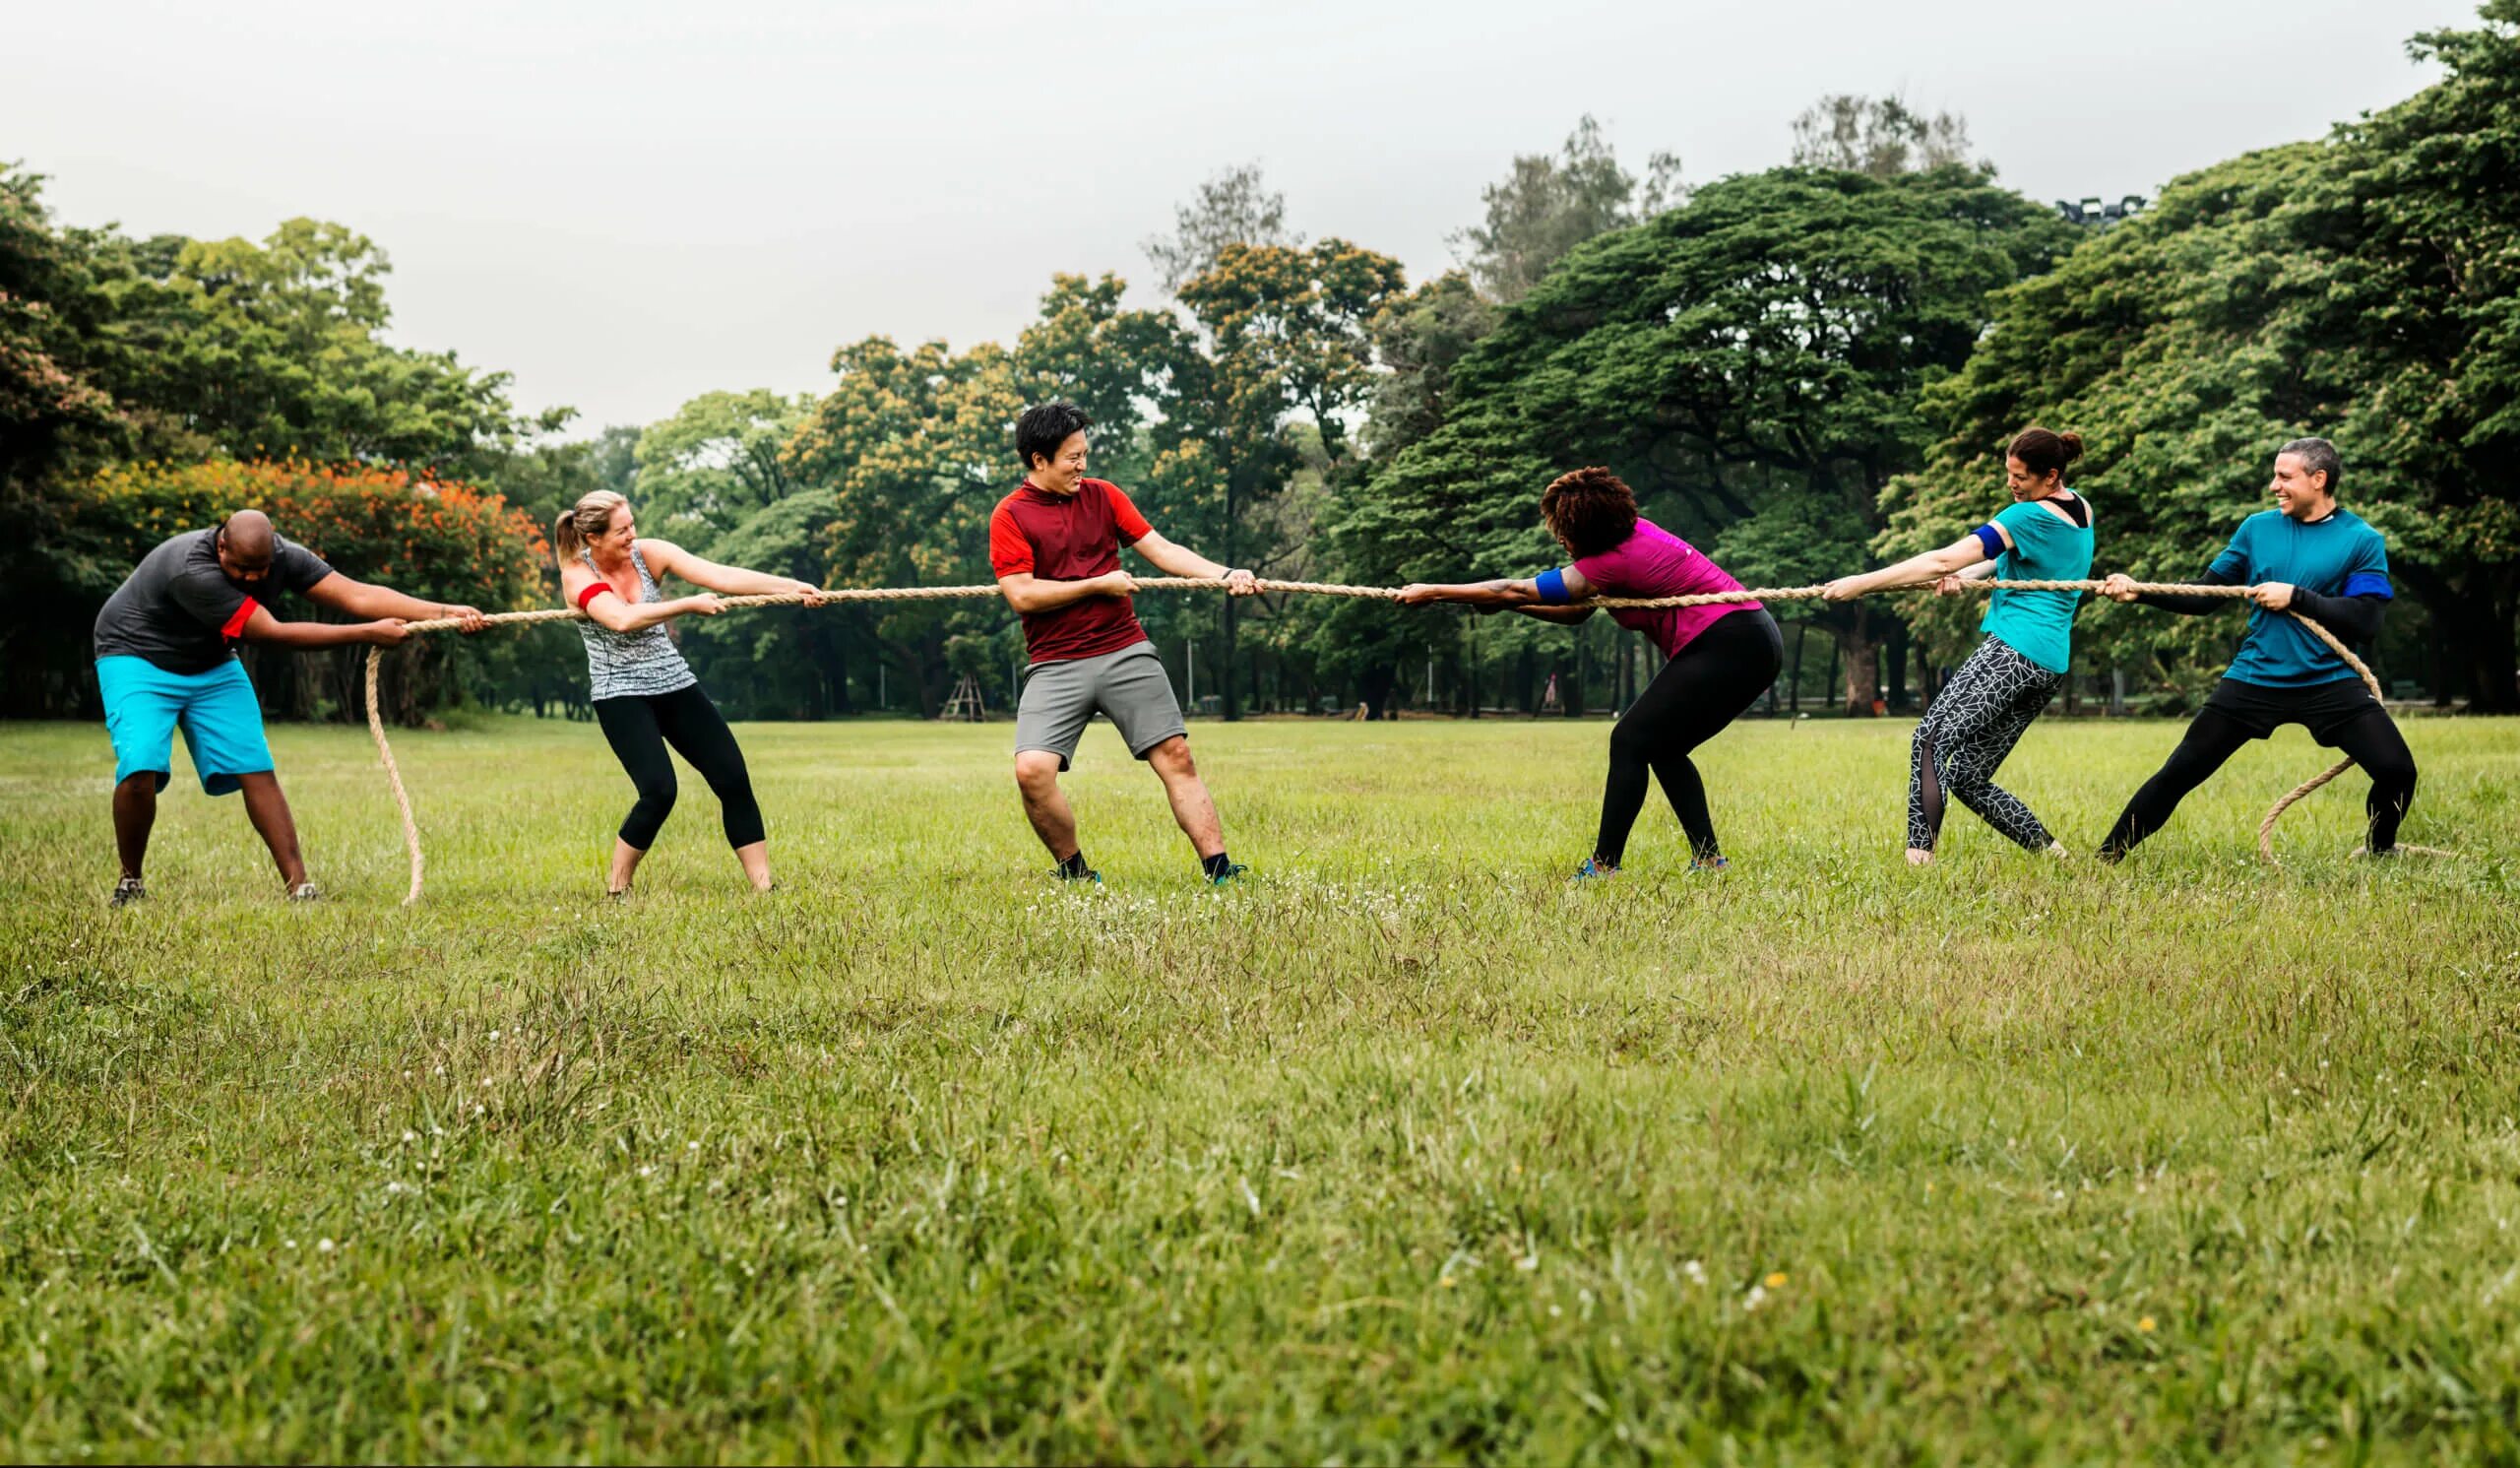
(1591, 510)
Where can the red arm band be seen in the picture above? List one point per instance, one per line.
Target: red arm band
(235, 626)
(593, 590)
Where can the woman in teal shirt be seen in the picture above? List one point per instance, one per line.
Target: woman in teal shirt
(2043, 534)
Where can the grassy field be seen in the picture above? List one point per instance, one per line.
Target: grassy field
(1406, 1151)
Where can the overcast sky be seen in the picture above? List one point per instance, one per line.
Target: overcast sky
(629, 203)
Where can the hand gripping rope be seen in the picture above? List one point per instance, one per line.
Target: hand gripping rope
(412, 830)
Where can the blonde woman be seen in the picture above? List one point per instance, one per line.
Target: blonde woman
(645, 695)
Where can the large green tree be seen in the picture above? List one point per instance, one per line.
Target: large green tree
(2359, 288)
(1547, 204)
(2428, 300)
(1288, 361)
(1750, 361)
(277, 350)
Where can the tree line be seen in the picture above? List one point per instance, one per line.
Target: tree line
(1804, 370)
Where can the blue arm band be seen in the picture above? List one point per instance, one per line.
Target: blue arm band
(1988, 537)
(2368, 584)
(1552, 588)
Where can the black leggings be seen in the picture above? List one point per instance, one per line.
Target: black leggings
(640, 726)
(2370, 737)
(1713, 680)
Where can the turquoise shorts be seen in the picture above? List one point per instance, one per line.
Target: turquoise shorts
(222, 719)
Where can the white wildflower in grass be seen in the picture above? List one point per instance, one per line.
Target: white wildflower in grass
(647, 1172)
(410, 1136)
(1757, 1296)
(1695, 1271)
(323, 1245)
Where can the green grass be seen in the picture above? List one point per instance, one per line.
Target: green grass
(1407, 1151)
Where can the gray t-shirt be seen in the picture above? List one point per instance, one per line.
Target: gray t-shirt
(179, 611)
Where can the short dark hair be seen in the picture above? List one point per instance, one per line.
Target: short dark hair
(1044, 428)
(1590, 510)
(2318, 456)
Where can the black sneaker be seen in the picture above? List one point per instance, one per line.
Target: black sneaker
(128, 891)
(1088, 877)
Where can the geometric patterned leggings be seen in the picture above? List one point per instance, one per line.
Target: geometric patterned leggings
(1973, 724)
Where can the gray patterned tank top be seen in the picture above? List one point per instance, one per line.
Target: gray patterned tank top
(632, 664)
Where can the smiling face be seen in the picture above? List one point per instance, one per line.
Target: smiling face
(619, 532)
(2300, 490)
(1061, 473)
(2027, 485)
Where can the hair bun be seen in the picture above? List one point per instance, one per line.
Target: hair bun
(2073, 443)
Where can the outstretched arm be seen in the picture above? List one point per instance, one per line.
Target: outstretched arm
(665, 558)
(1919, 570)
(1181, 561)
(1528, 597)
(264, 627)
(362, 599)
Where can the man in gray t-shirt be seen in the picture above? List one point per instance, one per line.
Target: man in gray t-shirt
(165, 660)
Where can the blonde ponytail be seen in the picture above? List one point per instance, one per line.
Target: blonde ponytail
(582, 521)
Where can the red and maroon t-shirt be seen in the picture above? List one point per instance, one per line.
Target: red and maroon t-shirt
(1069, 537)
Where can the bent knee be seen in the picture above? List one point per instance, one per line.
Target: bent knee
(2393, 775)
(1173, 757)
(1036, 770)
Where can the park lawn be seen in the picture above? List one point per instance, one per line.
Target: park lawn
(1404, 1151)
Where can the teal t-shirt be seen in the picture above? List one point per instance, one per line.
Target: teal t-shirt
(2046, 546)
(2339, 556)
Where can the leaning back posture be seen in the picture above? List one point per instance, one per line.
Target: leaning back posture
(1722, 656)
(1054, 544)
(645, 696)
(2305, 555)
(2043, 534)
(166, 660)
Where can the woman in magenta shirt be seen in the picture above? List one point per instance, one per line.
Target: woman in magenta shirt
(1722, 657)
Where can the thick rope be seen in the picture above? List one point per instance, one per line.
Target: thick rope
(2265, 828)
(393, 777)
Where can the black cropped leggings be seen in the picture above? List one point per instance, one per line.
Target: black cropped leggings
(639, 727)
(1712, 683)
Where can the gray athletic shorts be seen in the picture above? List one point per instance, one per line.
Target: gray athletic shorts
(1129, 687)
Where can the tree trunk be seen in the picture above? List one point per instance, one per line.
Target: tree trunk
(1794, 690)
(2485, 649)
(1858, 650)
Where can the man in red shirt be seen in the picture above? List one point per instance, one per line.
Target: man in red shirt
(1054, 544)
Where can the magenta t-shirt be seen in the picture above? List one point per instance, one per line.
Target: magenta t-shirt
(1654, 562)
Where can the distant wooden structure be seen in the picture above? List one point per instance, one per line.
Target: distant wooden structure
(964, 704)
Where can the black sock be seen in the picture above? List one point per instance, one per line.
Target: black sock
(1074, 865)
(1216, 865)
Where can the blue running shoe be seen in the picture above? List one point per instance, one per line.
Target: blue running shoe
(1595, 870)
(1710, 864)
(1231, 876)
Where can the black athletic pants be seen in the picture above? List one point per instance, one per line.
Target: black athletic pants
(640, 726)
(2341, 715)
(1714, 679)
